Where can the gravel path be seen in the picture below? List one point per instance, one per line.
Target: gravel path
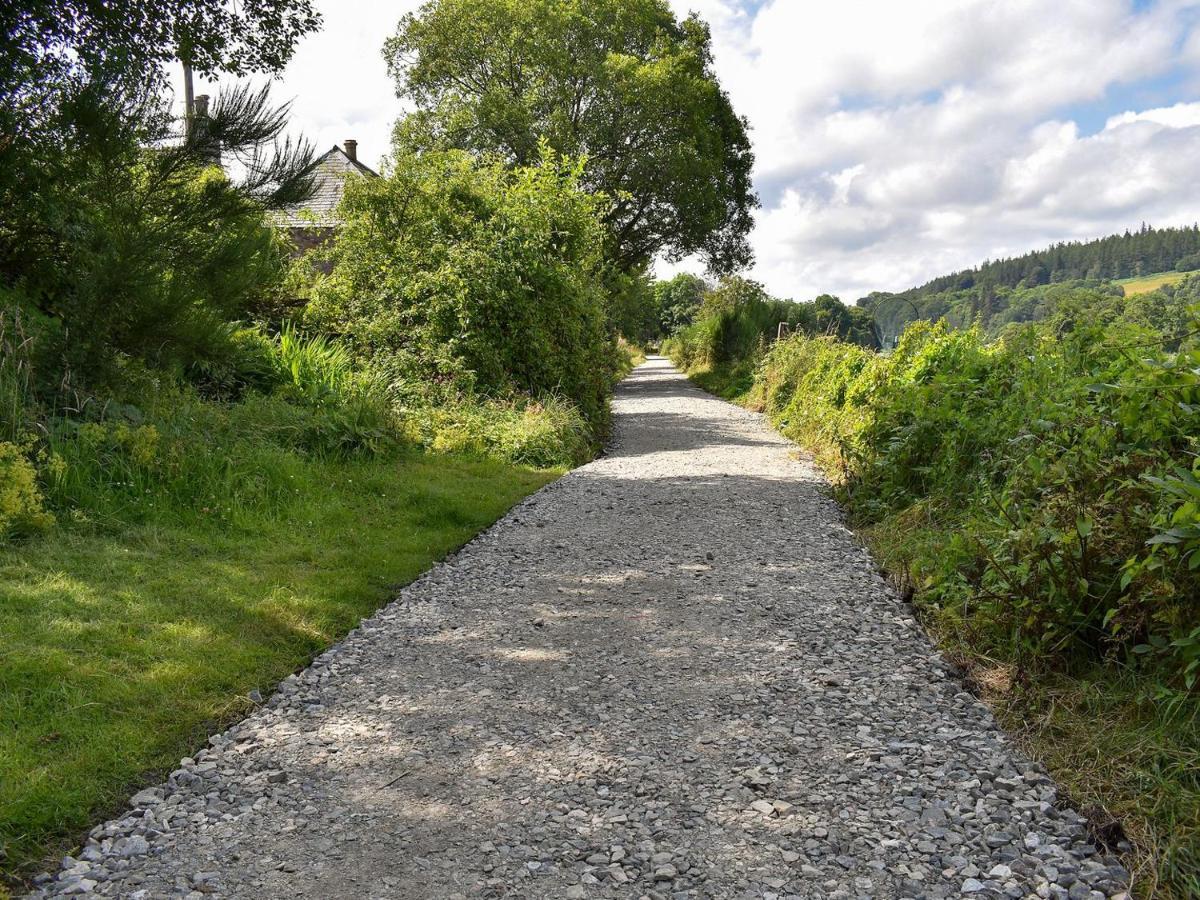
(673, 673)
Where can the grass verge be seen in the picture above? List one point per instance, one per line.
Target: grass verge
(1127, 762)
(124, 648)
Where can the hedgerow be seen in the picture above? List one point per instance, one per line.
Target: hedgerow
(462, 278)
(1056, 463)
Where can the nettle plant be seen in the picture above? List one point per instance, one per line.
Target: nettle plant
(1169, 407)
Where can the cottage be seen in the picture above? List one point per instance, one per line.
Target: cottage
(312, 223)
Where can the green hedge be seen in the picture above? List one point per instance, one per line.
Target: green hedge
(457, 277)
(1041, 490)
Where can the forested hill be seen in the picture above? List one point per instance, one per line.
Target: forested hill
(1116, 256)
(1030, 287)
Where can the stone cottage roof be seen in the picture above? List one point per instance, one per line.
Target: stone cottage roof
(332, 169)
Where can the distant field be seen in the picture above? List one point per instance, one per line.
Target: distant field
(1147, 283)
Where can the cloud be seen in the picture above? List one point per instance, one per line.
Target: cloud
(896, 142)
(1181, 115)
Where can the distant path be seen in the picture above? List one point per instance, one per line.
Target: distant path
(672, 673)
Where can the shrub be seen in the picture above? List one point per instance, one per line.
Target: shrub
(737, 321)
(22, 510)
(546, 433)
(1044, 462)
(473, 277)
(158, 261)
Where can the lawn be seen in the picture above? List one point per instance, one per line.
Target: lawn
(1147, 283)
(123, 648)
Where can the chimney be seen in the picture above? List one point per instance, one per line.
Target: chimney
(352, 150)
(199, 130)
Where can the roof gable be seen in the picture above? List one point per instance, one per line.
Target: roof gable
(329, 181)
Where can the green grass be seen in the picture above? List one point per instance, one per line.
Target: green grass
(1144, 284)
(1122, 756)
(122, 648)
(731, 383)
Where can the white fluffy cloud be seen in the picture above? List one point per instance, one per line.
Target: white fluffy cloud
(899, 141)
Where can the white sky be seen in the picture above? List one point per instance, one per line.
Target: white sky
(894, 141)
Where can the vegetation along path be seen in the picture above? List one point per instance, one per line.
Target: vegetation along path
(672, 673)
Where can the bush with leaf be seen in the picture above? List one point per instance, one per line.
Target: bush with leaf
(473, 279)
(22, 508)
(1047, 474)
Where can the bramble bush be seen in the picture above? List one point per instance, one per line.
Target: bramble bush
(1038, 492)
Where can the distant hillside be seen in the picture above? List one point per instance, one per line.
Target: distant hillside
(1128, 255)
(1029, 287)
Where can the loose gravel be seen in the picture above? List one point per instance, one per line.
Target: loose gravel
(671, 674)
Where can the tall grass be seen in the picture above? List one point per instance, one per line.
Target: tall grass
(16, 376)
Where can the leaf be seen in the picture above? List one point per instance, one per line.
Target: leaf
(1165, 538)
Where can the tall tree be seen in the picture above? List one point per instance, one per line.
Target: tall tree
(679, 300)
(113, 40)
(620, 83)
(112, 223)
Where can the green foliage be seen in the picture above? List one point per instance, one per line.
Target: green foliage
(18, 390)
(475, 279)
(737, 320)
(621, 84)
(22, 509)
(144, 253)
(1114, 257)
(47, 40)
(1188, 263)
(60, 54)
(678, 301)
(993, 300)
(632, 307)
(1037, 495)
(546, 433)
(1036, 456)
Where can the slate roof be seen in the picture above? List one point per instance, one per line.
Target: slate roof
(319, 211)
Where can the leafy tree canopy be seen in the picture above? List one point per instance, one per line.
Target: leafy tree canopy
(620, 83)
(133, 38)
(679, 300)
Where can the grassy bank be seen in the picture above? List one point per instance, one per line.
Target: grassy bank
(125, 648)
(1036, 496)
